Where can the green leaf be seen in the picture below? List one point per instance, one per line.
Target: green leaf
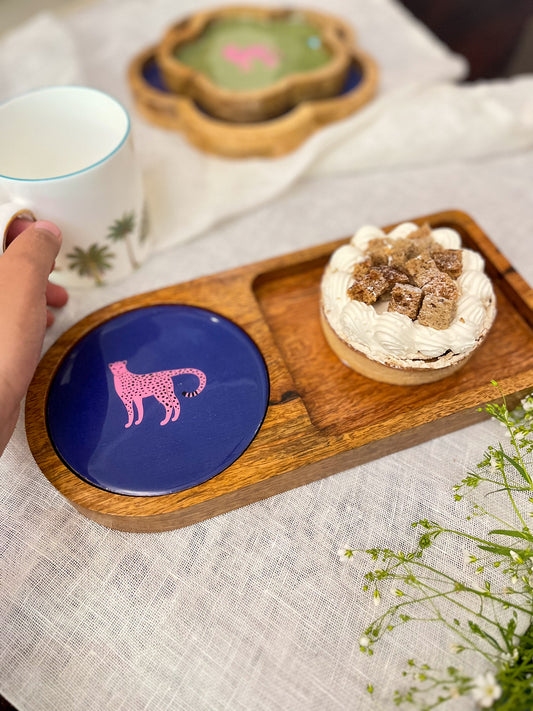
(477, 630)
(512, 533)
(497, 550)
(523, 473)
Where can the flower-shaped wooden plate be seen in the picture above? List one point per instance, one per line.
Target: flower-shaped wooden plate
(245, 64)
(272, 138)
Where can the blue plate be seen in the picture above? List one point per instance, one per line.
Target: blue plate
(157, 400)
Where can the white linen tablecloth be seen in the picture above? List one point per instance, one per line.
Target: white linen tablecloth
(253, 610)
(188, 192)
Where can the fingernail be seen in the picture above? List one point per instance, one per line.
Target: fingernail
(50, 226)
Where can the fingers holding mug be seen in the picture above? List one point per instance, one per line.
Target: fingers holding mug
(88, 181)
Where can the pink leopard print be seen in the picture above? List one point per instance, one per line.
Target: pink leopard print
(133, 387)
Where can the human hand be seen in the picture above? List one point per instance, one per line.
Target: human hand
(24, 295)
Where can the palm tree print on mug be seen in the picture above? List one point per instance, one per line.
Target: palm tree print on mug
(92, 262)
(145, 225)
(121, 229)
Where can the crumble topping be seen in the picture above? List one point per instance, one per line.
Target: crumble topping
(415, 274)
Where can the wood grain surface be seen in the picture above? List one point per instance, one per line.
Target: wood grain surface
(322, 417)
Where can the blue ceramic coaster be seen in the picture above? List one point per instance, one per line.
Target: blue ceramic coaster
(157, 400)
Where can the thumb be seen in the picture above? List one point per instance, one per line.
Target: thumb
(24, 270)
(31, 255)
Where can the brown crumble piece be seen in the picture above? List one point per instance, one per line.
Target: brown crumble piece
(393, 275)
(415, 272)
(378, 250)
(361, 269)
(436, 311)
(440, 302)
(405, 299)
(449, 261)
(421, 269)
(442, 285)
(419, 241)
(384, 252)
(368, 288)
(422, 232)
(399, 254)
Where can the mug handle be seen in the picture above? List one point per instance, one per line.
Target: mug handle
(9, 212)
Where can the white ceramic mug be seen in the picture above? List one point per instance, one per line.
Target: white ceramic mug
(66, 156)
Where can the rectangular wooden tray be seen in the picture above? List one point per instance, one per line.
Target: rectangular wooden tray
(322, 417)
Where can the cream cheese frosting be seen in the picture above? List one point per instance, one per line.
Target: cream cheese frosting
(384, 335)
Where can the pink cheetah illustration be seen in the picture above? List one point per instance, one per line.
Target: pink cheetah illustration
(133, 387)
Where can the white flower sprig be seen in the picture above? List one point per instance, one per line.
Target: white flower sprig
(486, 690)
(487, 614)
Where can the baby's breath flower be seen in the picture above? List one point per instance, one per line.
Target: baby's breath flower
(515, 564)
(468, 558)
(527, 403)
(486, 690)
(345, 554)
(508, 657)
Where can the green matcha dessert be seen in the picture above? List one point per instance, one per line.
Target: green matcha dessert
(249, 64)
(244, 54)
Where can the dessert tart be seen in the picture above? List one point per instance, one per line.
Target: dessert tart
(407, 307)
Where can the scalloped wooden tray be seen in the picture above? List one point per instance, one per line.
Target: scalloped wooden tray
(268, 139)
(322, 417)
(259, 104)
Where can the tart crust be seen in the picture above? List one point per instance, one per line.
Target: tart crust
(396, 371)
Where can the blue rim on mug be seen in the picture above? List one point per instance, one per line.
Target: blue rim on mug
(61, 87)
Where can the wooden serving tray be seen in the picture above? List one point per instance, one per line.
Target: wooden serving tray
(322, 417)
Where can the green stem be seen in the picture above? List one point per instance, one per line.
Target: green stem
(513, 487)
(463, 588)
(461, 605)
(511, 498)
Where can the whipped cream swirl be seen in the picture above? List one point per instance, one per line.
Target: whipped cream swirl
(381, 334)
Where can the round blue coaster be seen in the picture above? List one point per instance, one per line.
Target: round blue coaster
(157, 400)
